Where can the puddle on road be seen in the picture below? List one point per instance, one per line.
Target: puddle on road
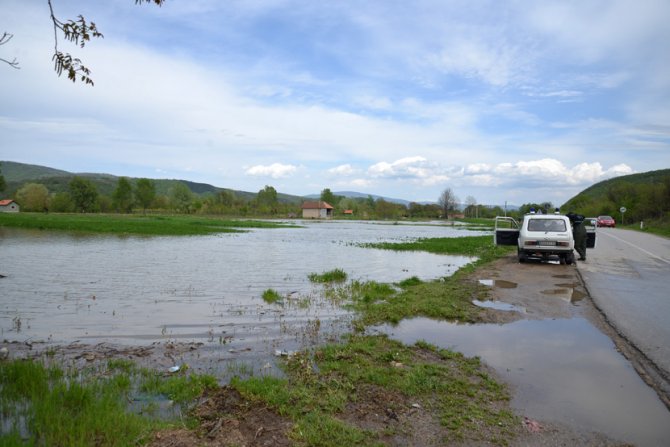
(499, 305)
(568, 294)
(499, 283)
(561, 370)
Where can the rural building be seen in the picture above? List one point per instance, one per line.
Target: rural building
(317, 210)
(9, 206)
(348, 212)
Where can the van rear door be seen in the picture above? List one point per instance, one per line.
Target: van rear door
(506, 231)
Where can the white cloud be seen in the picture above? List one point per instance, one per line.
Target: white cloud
(402, 168)
(342, 170)
(548, 172)
(275, 170)
(361, 183)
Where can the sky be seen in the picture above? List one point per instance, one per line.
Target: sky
(501, 101)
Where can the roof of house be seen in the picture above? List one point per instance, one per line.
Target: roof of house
(6, 202)
(316, 205)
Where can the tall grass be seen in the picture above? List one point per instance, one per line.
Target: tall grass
(42, 405)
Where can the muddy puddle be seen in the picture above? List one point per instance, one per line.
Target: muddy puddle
(562, 370)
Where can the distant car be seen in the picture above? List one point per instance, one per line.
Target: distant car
(606, 221)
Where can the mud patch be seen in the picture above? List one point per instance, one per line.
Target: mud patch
(226, 418)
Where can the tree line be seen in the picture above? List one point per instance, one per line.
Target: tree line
(140, 195)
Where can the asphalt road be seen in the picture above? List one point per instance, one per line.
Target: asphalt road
(628, 276)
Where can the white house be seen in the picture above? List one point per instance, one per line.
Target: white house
(317, 210)
(9, 206)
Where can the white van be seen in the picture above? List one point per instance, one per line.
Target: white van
(543, 236)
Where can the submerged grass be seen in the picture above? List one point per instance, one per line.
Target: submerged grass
(449, 298)
(42, 405)
(335, 275)
(271, 296)
(131, 224)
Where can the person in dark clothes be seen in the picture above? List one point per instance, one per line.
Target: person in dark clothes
(579, 234)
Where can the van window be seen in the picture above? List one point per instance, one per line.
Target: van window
(554, 225)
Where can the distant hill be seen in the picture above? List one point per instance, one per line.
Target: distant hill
(644, 195)
(56, 180)
(20, 172)
(360, 195)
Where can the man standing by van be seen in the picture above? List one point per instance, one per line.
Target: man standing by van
(579, 234)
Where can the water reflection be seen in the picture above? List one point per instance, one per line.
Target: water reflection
(562, 370)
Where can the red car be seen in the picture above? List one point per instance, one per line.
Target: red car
(606, 221)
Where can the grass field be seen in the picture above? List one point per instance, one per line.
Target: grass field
(131, 224)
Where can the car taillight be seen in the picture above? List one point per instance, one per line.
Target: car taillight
(563, 244)
(530, 243)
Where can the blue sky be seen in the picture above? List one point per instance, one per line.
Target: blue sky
(517, 101)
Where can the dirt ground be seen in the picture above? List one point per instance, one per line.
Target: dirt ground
(227, 419)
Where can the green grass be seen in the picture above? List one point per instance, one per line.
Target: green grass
(51, 406)
(271, 296)
(336, 275)
(130, 224)
(449, 298)
(320, 387)
(479, 246)
(659, 227)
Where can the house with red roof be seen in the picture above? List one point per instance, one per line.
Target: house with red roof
(9, 206)
(317, 210)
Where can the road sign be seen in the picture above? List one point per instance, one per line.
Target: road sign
(622, 209)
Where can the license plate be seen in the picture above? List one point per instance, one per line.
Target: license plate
(547, 243)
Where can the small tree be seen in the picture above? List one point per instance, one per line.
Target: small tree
(447, 202)
(122, 198)
(33, 197)
(145, 193)
(471, 206)
(181, 198)
(267, 199)
(61, 202)
(328, 196)
(84, 194)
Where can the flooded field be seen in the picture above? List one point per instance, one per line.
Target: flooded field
(63, 288)
(198, 301)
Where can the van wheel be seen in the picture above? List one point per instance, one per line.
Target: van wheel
(522, 256)
(569, 258)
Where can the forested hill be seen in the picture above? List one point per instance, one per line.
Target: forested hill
(645, 196)
(18, 174)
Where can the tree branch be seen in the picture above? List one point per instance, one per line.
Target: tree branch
(77, 31)
(6, 37)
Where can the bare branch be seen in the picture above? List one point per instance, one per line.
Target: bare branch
(6, 37)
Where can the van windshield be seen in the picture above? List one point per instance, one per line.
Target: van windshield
(555, 225)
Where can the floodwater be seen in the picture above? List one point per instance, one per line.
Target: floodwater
(61, 287)
(562, 370)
